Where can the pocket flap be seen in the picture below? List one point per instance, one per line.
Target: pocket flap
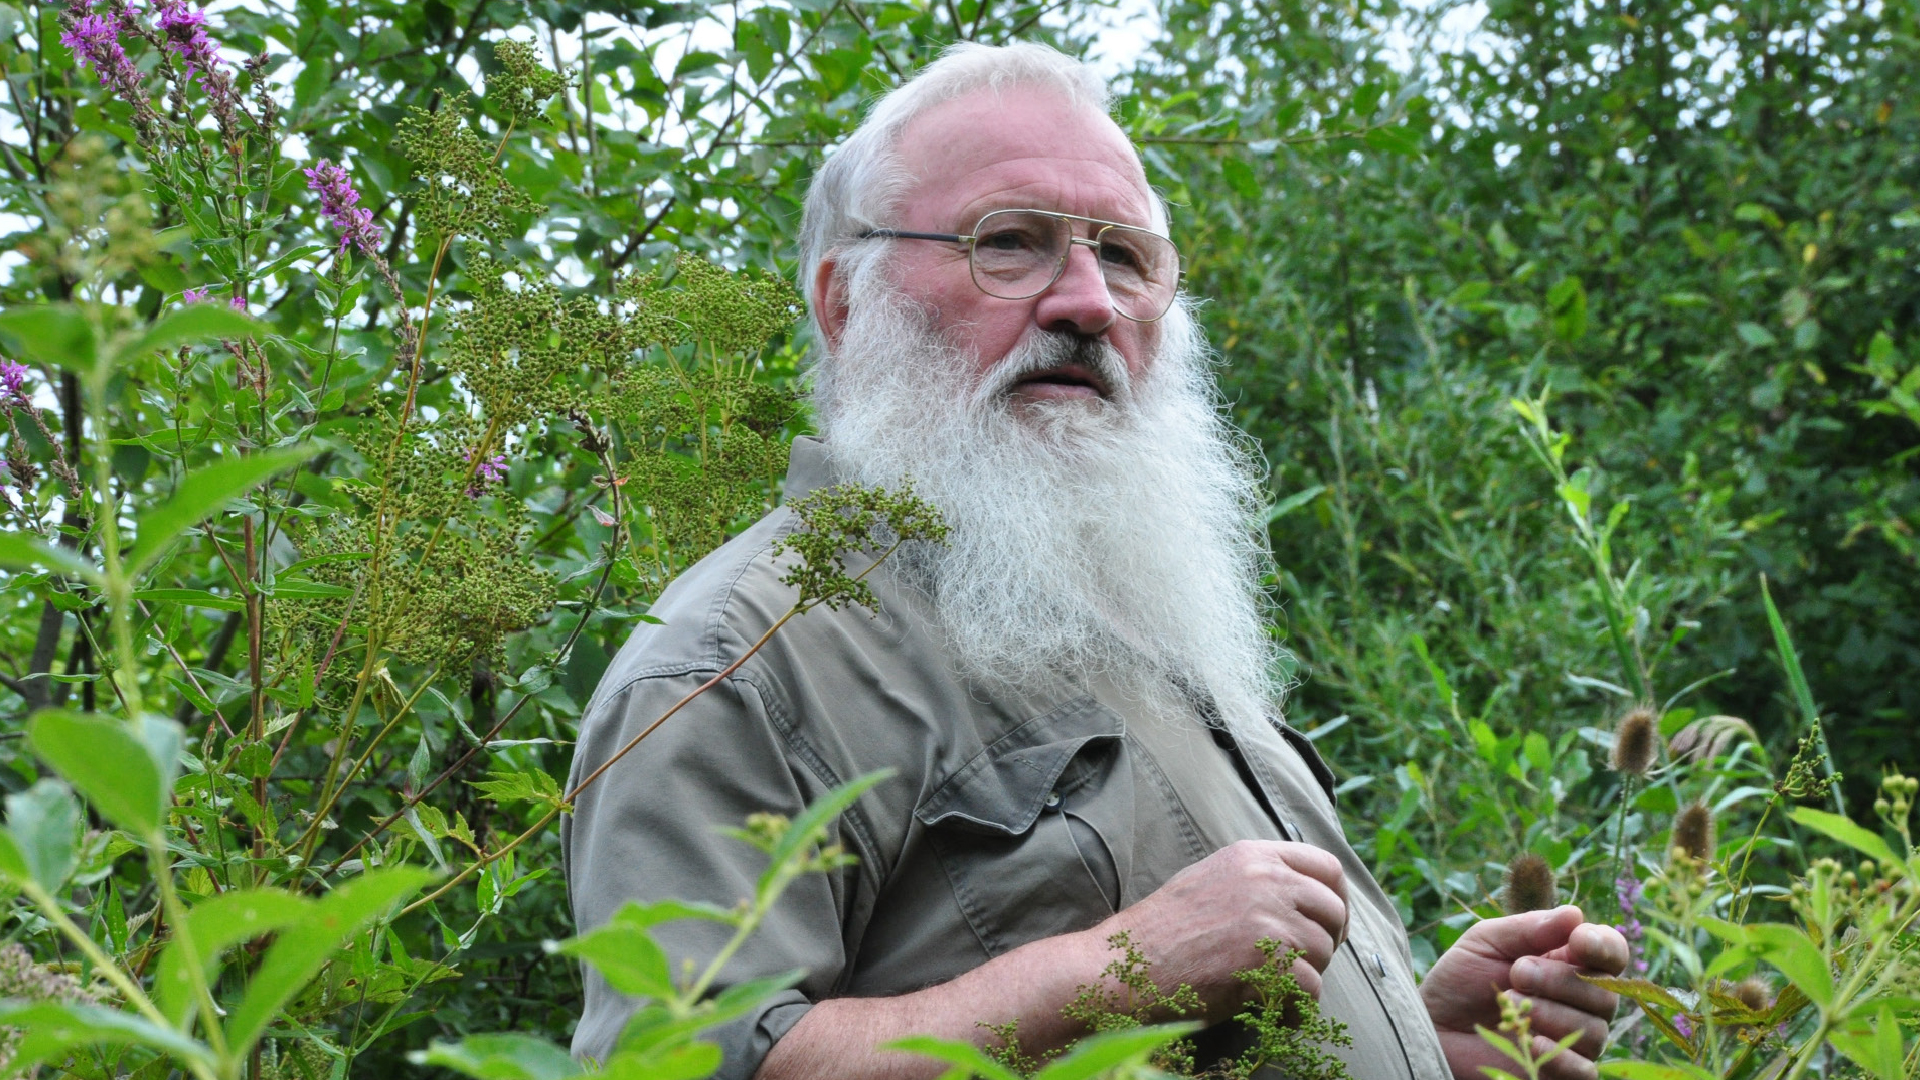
(1004, 787)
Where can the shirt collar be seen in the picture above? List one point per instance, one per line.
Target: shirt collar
(807, 467)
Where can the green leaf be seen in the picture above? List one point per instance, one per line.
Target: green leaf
(1647, 1070)
(1096, 1054)
(48, 1031)
(1240, 177)
(1403, 140)
(193, 597)
(811, 826)
(203, 493)
(625, 955)
(653, 914)
(187, 325)
(301, 951)
(1875, 1046)
(1292, 502)
(656, 1025)
(43, 823)
(216, 925)
(533, 785)
(20, 551)
(109, 763)
(689, 1061)
(967, 1059)
(1844, 830)
(1755, 335)
(58, 334)
(1644, 991)
(1798, 958)
(1789, 657)
(500, 1056)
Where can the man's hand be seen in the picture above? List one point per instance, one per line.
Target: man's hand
(1201, 926)
(1540, 955)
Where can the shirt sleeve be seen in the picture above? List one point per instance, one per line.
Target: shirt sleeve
(650, 829)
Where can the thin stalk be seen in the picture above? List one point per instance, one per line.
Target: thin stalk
(183, 940)
(385, 729)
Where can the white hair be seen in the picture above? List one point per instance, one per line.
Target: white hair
(861, 185)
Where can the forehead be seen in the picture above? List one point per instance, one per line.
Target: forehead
(1018, 147)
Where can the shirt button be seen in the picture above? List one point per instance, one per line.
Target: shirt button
(1053, 799)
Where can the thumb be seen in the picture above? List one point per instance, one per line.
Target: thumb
(1533, 933)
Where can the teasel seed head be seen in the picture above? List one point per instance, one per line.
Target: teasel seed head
(1636, 741)
(1529, 885)
(1755, 993)
(1693, 832)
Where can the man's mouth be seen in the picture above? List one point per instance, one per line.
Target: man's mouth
(1065, 382)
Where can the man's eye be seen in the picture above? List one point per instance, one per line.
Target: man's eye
(1008, 240)
(1122, 256)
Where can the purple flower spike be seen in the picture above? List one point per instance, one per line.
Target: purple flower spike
(1628, 889)
(13, 382)
(196, 295)
(337, 199)
(186, 30)
(95, 41)
(238, 303)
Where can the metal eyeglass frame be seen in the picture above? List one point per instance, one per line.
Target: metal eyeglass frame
(1059, 267)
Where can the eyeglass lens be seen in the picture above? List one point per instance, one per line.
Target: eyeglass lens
(1018, 253)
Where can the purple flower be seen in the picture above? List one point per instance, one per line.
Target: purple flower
(95, 41)
(1683, 1025)
(195, 295)
(337, 199)
(490, 471)
(186, 30)
(1627, 889)
(13, 382)
(238, 303)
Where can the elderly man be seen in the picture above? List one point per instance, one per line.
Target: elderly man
(1075, 694)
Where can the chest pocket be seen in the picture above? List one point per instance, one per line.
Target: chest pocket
(1026, 830)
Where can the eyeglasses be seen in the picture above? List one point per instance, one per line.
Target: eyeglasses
(1017, 254)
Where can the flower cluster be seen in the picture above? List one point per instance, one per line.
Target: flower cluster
(337, 199)
(1627, 889)
(186, 29)
(490, 471)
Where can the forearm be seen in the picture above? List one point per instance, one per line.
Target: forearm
(840, 1037)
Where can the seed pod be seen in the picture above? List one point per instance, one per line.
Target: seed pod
(1693, 832)
(1529, 885)
(1754, 992)
(1635, 741)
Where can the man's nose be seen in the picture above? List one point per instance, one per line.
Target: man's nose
(1078, 301)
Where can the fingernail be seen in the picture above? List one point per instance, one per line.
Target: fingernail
(1524, 971)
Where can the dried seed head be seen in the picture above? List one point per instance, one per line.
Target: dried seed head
(1755, 993)
(1529, 886)
(1693, 832)
(1634, 741)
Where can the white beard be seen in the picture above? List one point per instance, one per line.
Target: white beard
(1115, 537)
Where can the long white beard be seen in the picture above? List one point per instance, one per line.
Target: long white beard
(1116, 536)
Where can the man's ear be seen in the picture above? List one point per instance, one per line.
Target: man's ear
(830, 305)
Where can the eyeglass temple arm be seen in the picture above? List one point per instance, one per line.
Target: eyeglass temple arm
(901, 234)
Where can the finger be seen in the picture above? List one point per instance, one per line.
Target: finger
(1539, 977)
(1567, 1064)
(1534, 933)
(1556, 1021)
(1322, 866)
(1322, 906)
(1308, 978)
(1598, 948)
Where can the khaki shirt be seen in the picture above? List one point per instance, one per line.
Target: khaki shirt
(1010, 817)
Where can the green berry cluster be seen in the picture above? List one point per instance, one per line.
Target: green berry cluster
(465, 192)
(837, 522)
(523, 84)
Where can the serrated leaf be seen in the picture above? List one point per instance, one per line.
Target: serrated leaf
(203, 493)
(532, 785)
(1798, 958)
(1875, 1045)
(1644, 991)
